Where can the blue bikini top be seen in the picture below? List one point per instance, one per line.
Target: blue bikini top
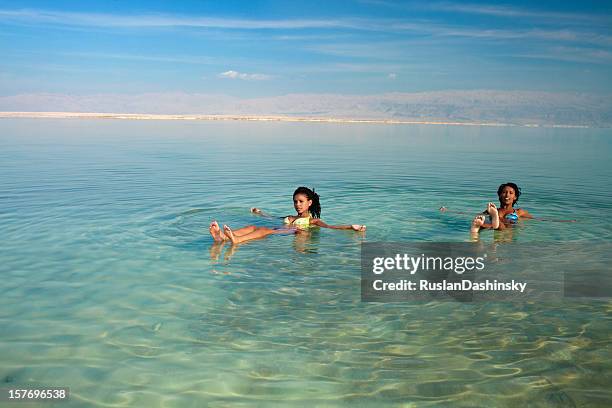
(512, 217)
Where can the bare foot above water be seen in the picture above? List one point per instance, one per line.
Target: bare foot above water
(230, 234)
(477, 223)
(216, 232)
(492, 210)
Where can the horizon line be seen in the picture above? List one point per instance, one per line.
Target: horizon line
(261, 118)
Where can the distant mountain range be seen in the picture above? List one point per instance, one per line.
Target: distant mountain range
(480, 106)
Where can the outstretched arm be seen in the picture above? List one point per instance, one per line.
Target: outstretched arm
(525, 214)
(257, 211)
(355, 227)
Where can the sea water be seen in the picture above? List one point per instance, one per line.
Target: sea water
(111, 284)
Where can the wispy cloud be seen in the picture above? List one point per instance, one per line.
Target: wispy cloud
(571, 54)
(366, 50)
(362, 68)
(506, 34)
(502, 11)
(245, 77)
(29, 16)
(506, 11)
(147, 58)
(161, 20)
(311, 37)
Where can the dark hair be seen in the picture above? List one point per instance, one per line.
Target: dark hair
(517, 191)
(315, 208)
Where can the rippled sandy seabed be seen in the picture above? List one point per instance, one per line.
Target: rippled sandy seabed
(111, 285)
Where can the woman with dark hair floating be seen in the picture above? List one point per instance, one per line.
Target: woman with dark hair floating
(506, 214)
(308, 208)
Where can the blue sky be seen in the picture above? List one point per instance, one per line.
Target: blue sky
(271, 48)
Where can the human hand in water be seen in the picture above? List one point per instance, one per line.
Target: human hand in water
(358, 227)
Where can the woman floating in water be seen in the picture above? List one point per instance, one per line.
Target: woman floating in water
(506, 214)
(308, 208)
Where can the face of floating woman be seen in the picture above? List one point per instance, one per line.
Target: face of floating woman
(301, 203)
(507, 196)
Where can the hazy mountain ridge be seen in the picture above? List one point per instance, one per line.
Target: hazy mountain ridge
(512, 107)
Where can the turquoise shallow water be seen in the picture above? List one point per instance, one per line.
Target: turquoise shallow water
(111, 285)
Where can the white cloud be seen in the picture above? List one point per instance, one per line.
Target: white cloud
(245, 77)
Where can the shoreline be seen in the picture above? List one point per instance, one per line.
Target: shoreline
(260, 118)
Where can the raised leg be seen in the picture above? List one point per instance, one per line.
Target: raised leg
(245, 230)
(259, 232)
